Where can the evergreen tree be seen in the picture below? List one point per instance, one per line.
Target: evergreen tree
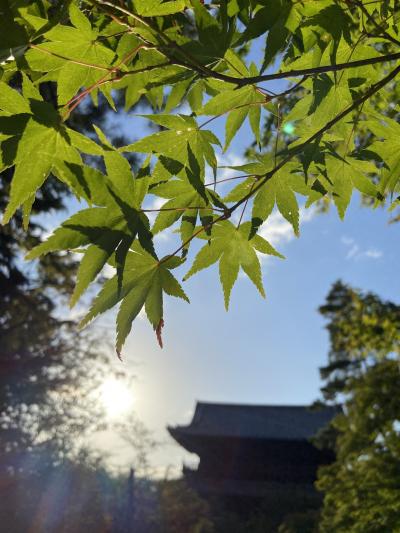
(361, 487)
(48, 370)
(362, 330)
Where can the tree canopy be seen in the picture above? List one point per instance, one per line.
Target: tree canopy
(361, 486)
(334, 129)
(363, 329)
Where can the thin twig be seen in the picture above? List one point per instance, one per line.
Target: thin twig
(182, 209)
(371, 19)
(278, 129)
(143, 69)
(368, 94)
(288, 91)
(261, 102)
(117, 34)
(75, 61)
(241, 82)
(230, 179)
(244, 207)
(266, 177)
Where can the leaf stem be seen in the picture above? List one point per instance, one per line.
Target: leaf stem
(244, 207)
(263, 179)
(182, 209)
(75, 61)
(261, 102)
(244, 176)
(373, 89)
(374, 23)
(241, 82)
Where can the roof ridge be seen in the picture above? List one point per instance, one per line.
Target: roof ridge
(247, 405)
(268, 422)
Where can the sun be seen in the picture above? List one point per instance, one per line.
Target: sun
(116, 397)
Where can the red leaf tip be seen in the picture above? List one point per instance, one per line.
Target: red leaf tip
(158, 331)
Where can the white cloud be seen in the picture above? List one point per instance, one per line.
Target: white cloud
(347, 240)
(277, 230)
(156, 204)
(232, 160)
(225, 160)
(306, 215)
(355, 252)
(373, 253)
(165, 235)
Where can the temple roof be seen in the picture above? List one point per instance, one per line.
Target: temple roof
(272, 422)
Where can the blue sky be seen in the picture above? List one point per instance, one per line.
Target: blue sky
(261, 351)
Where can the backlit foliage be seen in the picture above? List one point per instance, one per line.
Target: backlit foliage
(339, 135)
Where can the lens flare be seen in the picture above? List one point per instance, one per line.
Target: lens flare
(288, 128)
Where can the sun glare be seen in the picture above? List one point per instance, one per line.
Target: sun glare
(116, 397)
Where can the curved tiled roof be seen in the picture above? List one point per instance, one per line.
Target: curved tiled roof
(281, 422)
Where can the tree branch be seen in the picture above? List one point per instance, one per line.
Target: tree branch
(315, 70)
(191, 207)
(374, 89)
(263, 179)
(374, 23)
(192, 64)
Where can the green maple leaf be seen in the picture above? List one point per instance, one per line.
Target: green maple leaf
(158, 8)
(11, 101)
(387, 148)
(233, 248)
(144, 282)
(186, 203)
(34, 141)
(326, 100)
(213, 37)
(105, 230)
(14, 37)
(79, 230)
(346, 173)
(177, 93)
(279, 190)
(37, 142)
(72, 56)
(100, 229)
(263, 20)
(128, 188)
(183, 142)
(238, 103)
